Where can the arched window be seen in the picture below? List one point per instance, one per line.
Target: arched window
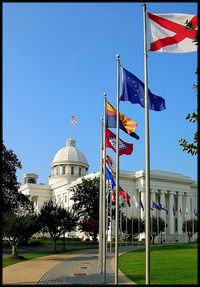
(72, 170)
(63, 169)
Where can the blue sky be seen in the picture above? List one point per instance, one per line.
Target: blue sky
(59, 59)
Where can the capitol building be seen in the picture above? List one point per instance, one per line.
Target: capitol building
(178, 193)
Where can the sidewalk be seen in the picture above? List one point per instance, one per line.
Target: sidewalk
(77, 267)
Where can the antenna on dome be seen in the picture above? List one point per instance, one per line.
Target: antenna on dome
(73, 121)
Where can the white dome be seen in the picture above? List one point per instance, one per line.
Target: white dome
(70, 155)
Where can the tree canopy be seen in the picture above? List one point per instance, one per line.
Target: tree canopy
(56, 220)
(12, 199)
(86, 199)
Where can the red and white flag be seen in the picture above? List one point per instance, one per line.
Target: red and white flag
(124, 148)
(169, 33)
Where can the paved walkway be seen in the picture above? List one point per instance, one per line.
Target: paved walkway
(77, 267)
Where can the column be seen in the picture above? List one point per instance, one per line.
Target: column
(188, 216)
(163, 202)
(180, 212)
(153, 198)
(142, 196)
(171, 215)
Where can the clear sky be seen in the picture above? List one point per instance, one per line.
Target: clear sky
(59, 59)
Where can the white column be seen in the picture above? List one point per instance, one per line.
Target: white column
(153, 198)
(142, 212)
(171, 215)
(188, 216)
(163, 202)
(180, 212)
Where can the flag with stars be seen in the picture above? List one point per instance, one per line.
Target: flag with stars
(133, 91)
(124, 148)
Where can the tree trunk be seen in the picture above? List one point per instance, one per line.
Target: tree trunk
(14, 250)
(54, 244)
(64, 242)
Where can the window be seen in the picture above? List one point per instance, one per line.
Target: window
(63, 169)
(79, 172)
(72, 170)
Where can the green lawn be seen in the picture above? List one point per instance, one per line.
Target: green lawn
(170, 264)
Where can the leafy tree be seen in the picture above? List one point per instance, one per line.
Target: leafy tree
(18, 228)
(12, 199)
(86, 199)
(56, 221)
(193, 146)
(91, 227)
(135, 226)
(190, 226)
(155, 224)
(86, 205)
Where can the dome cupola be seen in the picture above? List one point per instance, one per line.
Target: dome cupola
(68, 163)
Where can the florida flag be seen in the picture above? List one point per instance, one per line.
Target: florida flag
(169, 33)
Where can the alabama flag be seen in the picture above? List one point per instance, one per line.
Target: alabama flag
(169, 33)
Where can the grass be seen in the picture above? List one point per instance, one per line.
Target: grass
(170, 264)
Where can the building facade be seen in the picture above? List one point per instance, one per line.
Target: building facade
(176, 192)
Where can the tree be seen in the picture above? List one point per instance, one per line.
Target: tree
(193, 146)
(18, 228)
(91, 227)
(157, 225)
(189, 226)
(86, 199)
(135, 226)
(12, 199)
(56, 221)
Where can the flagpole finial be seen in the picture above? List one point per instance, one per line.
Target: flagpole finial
(104, 95)
(117, 56)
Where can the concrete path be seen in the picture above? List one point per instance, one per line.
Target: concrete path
(77, 267)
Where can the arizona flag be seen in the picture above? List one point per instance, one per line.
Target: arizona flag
(125, 124)
(169, 33)
(124, 148)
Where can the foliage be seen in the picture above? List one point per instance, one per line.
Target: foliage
(191, 147)
(12, 199)
(190, 226)
(86, 199)
(135, 226)
(90, 226)
(157, 225)
(18, 228)
(56, 220)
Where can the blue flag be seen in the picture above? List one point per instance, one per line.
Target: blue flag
(133, 91)
(155, 205)
(141, 205)
(162, 206)
(109, 177)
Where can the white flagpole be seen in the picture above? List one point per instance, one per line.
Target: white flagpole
(117, 173)
(110, 223)
(147, 157)
(100, 203)
(104, 190)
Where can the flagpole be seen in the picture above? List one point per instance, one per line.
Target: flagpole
(147, 157)
(110, 223)
(100, 203)
(117, 172)
(104, 191)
